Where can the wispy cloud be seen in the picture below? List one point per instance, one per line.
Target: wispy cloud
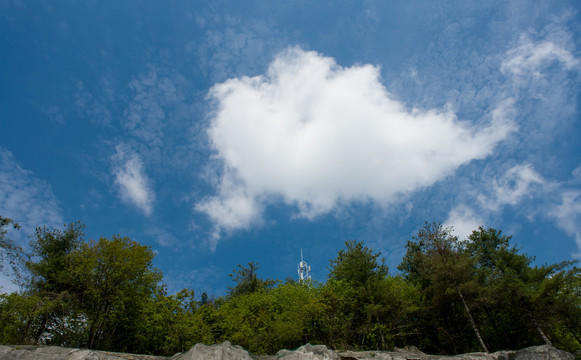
(162, 236)
(540, 72)
(512, 186)
(25, 198)
(521, 187)
(132, 183)
(96, 108)
(530, 57)
(157, 120)
(145, 115)
(316, 135)
(568, 215)
(233, 46)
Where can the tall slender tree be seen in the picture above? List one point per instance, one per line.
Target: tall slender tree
(436, 262)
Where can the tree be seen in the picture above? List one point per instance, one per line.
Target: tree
(543, 294)
(357, 291)
(51, 250)
(86, 294)
(357, 265)
(113, 280)
(50, 283)
(247, 280)
(436, 261)
(168, 324)
(8, 248)
(566, 308)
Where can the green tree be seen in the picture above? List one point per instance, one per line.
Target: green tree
(247, 280)
(113, 281)
(566, 308)
(297, 314)
(50, 283)
(365, 300)
(436, 261)
(168, 324)
(51, 250)
(545, 296)
(357, 265)
(85, 294)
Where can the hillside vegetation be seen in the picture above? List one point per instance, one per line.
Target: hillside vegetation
(449, 297)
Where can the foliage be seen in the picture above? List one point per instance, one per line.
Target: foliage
(112, 281)
(436, 262)
(247, 280)
(367, 304)
(51, 249)
(452, 296)
(9, 250)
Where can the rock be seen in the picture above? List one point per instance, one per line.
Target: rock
(544, 352)
(227, 351)
(60, 353)
(223, 351)
(362, 355)
(309, 352)
(504, 355)
(408, 353)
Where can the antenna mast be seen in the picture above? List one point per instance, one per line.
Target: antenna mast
(304, 270)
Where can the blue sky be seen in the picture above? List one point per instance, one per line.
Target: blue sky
(223, 132)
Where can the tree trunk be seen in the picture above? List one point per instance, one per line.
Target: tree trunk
(574, 334)
(538, 327)
(473, 323)
(41, 329)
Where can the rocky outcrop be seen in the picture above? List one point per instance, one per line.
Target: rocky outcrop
(321, 352)
(224, 351)
(60, 353)
(309, 352)
(227, 351)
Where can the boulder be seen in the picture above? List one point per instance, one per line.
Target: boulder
(309, 352)
(223, 351)
(227, 351)
(544, 352)
(61, 353)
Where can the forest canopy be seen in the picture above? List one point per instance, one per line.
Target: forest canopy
(448, 296)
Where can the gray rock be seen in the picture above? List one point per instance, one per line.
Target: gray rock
(224, 351)
(362, 355)
(309, 352)
(227, 351)
(504, 355)
(60, 353)
(544, 352)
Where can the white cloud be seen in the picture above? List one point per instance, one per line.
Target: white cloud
(316, 135)
(25, 198)
(529, 57)
(509, 189)
(233, 209)
(568, 215)
(132, 183)
(464, 221)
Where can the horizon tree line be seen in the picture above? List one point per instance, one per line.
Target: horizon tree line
(451, 296)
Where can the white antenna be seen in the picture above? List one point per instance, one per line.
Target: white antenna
(304, 270)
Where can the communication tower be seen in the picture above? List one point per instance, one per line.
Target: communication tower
(304, 270)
